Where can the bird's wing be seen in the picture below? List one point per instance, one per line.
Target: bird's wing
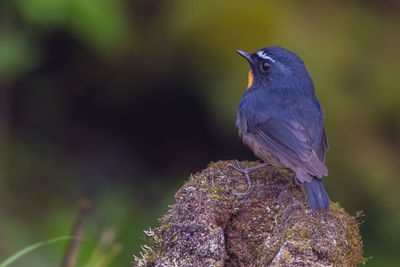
(317, 133)
(293, 144)
(322, 146)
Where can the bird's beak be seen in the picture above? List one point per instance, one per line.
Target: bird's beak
(246, 55)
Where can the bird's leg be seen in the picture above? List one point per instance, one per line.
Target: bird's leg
(301, 185)
(246, 172)
(303, 188)
(296, 181)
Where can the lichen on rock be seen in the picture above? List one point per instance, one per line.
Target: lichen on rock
(211, 224)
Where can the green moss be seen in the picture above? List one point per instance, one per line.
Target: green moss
(284, 170)
(256, 226)
(305, 234)
(288, 234)
(218, 189)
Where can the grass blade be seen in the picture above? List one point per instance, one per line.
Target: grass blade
(26, 250)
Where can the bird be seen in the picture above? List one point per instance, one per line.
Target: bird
(282, 121)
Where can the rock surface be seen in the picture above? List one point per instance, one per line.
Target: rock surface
(211, 224)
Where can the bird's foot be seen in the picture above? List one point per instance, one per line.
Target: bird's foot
(246, 170)
(300, 184)
(296, 180)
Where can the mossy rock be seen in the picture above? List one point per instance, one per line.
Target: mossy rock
(211, 224)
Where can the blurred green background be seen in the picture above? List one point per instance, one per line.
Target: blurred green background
(120, 101)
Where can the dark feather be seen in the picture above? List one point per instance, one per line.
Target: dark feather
(292, 144)
(316, 194)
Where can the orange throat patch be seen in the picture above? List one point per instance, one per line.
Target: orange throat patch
(250, 77)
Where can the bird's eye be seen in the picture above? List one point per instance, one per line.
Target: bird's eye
(265, 66)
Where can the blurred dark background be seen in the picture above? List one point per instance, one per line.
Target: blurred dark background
(121, 101)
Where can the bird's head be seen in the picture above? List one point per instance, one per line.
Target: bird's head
(275, 67)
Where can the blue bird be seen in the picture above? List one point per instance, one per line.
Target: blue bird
(282, 121)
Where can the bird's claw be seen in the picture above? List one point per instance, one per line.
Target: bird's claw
(245, 171)
(238, 168)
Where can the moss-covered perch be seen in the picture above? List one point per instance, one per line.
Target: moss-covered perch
(208, 224)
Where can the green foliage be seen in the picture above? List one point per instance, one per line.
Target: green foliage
(30, 248)
(101, 24)
(16, 55)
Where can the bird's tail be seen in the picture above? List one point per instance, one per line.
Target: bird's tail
(318, 199)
